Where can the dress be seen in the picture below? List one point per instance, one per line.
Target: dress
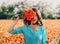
(31, 37)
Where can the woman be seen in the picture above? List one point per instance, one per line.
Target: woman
(32, 29)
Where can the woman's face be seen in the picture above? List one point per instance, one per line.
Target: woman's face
(34, 20)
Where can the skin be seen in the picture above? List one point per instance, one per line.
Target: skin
(13, 23)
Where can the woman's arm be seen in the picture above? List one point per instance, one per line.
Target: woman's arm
(13, 24)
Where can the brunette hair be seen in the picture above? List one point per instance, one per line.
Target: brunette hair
(39, 22)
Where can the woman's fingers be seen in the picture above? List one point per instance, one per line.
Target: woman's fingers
(17, 16)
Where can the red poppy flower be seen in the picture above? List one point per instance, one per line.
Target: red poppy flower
(29, 14)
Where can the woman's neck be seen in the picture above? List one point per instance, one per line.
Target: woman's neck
(34, 27)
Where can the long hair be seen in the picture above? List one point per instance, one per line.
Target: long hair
(39, 22)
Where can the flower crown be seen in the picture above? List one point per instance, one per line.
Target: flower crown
(29, 14)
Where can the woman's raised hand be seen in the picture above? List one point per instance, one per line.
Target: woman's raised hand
(13, 23)
(17, 17)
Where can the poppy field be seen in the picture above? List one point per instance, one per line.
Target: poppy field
(52, 28)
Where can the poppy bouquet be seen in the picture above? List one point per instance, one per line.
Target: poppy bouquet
(29, 14)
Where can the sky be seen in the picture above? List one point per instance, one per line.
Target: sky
(53, 3)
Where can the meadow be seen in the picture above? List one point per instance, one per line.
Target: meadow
(52, 28)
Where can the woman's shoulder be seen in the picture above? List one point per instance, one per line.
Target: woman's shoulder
(42, 28)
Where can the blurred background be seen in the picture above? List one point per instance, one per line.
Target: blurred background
(50, 11)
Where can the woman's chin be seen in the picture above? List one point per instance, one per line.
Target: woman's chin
(33, 23)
